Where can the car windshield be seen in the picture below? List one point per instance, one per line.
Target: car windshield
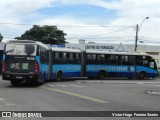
(20, 49)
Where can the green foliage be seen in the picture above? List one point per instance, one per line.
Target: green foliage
(1, 37)
(159, 72)
(45, 34)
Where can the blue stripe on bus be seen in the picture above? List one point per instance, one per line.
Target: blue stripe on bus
(120, 74)
(67, 74)
(119, 71)
(68, 70)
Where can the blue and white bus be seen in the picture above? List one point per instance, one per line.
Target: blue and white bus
(33, 61)
(102, 64)
(25, 60)
(65, 63)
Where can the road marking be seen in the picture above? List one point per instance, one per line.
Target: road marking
(1, 99)
(57, 85)
(77, 95)
(67, 85)
(119, 82)
(61, 85)
(76, 85)
(156, 85)
(8, 104)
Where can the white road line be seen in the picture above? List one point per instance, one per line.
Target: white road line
(156, 85)
(76, 85)
(8, 104)
(76, 95)
(1, 99)
(120, 82)
(62, 85)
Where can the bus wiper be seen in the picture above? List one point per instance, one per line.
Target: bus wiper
(11, 50)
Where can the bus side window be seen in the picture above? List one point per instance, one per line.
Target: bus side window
(102, 58)
(70, 59)
(78, 58)
(64, 55)
(89, 58)
(117, 60)
(151, 65)
(145, 63)
(108, 59)
(71, 56)
(124, 60)
(41, 50)
(138, 60)
(46, 56)
(56, 58)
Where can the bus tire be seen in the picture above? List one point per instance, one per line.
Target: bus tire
(130, 78)
(90, 78)
(102, 74)
(59, 76)
(15, 82)
(142, 75)
(41, 82)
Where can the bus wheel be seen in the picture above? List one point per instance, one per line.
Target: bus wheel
(59, 76)
(101, 75)
(130, 78)
(142, 75)
(41, 82)
(90, 78)
(15, 82)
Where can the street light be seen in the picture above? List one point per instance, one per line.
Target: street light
(137, 30)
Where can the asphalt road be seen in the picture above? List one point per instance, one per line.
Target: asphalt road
(82, 95)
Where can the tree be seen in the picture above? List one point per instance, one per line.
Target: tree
(1, 37)
(45, 34)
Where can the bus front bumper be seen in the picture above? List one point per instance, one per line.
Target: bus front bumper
(19, 76)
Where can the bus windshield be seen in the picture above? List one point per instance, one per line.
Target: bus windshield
(20, 49)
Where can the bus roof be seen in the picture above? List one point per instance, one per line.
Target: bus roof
(117, 53)
(27, 42)
(66, 50)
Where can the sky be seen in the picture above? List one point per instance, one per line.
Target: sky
(99, 21)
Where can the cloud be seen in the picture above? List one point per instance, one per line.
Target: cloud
(23, 6)
(77, 29)
(127, 12)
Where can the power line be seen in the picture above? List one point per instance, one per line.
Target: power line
(65, 25)
(91, 37)
(106, 33)
(14, 24)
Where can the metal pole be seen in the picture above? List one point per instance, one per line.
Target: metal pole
(137, 26)
(137, 30)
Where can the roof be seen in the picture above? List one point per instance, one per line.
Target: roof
(27, 42)
(21, 41)
(116, 53)
(65, 50)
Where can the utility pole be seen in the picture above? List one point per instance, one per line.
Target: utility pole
(137, 26)
(137, 30)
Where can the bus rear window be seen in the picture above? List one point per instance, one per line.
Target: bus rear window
(20, 49)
